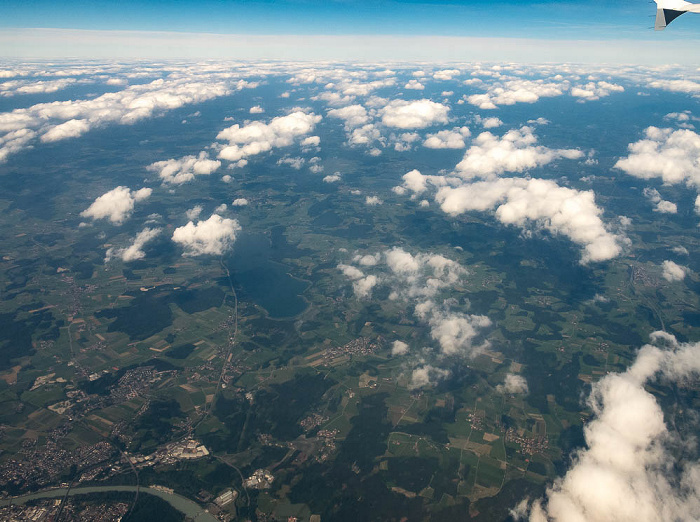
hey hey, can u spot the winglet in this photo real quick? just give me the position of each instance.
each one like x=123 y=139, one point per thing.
x=665 y=17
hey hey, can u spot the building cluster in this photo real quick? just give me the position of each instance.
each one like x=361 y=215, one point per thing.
x=226 y=498
x=189 y=449
x=328 y=446
x=529 y=445
x=476 y=420
x=312 y=421
x=260 y=479
x=356 y=347
x=73 y=511
x=42 y=465
x=641 y=276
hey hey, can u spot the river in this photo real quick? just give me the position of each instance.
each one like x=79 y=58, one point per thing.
x=184 y=505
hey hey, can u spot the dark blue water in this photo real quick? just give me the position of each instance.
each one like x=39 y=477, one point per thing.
x=258 y=278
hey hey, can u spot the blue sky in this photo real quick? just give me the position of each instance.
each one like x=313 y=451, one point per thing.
x=586 y=19
x=624 y=23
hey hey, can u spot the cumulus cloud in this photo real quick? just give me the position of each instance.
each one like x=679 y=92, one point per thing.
x=414 y=85
x=69 y=129
x=446 y=74
x=454 y=331
x=518 y=201
x=662 y=206
x=595 y=90
x=399 y=348
x=447 y=139
x=179 y=171
x=332 y=178
x=684 y=86
x=134 y=251
x=256 y=109
x=516 y=91
x=194 y=212
x=673 y=272
x=295 y=163
x=311 y=141
x=373 y=201
x=417 y=114
x=258 y=137
x=418 y=279
x=426 y=375
x=239 y=202
x=211 y=237
x=515 y=151
x=116 y=205
x=69 y=119
x=352 y=115
x=15 y=87
x=489 y=123
x=513 y=384
x=628 y=470
x=672 y=155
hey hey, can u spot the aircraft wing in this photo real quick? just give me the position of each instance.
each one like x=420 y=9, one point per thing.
x=668 y=10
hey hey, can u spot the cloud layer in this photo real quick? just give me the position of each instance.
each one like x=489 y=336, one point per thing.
x=628 y=471
x=211 y=237
x=116 y=205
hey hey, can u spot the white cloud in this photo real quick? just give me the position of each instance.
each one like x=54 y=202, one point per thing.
x=673 y=272
x=68 y=119
x=69 y=129
x=515 y=151
x=226 y=178
x=672 y=155
x=419 y=279
x=399 y=348
x=684 y=86
x=629 y=470
x=447 y=139
x=15 y=87
x=352 y=115
x=414 y=85
x=489 y=123
x=680 y=250
x=518 y=201
x=134 y=251
x=516 y=91
x=211 y=237
x=365 y=135
x=595 y=90
x=373 y=201
x=179 y=171
x=116 y=205
x=418 y=114
x=446 y=74
x=194 y=212
x=239 y=202
x=662 y=206
x=221 y=208
x=363 y=287
x=256 y=109
x=257 y=137
x=455 y=332
x=311 y=141
x=427 y=375
x=513 y=384
x=295 y=163
x=332 y=178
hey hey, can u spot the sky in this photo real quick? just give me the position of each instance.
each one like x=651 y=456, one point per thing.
x=506 y=23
